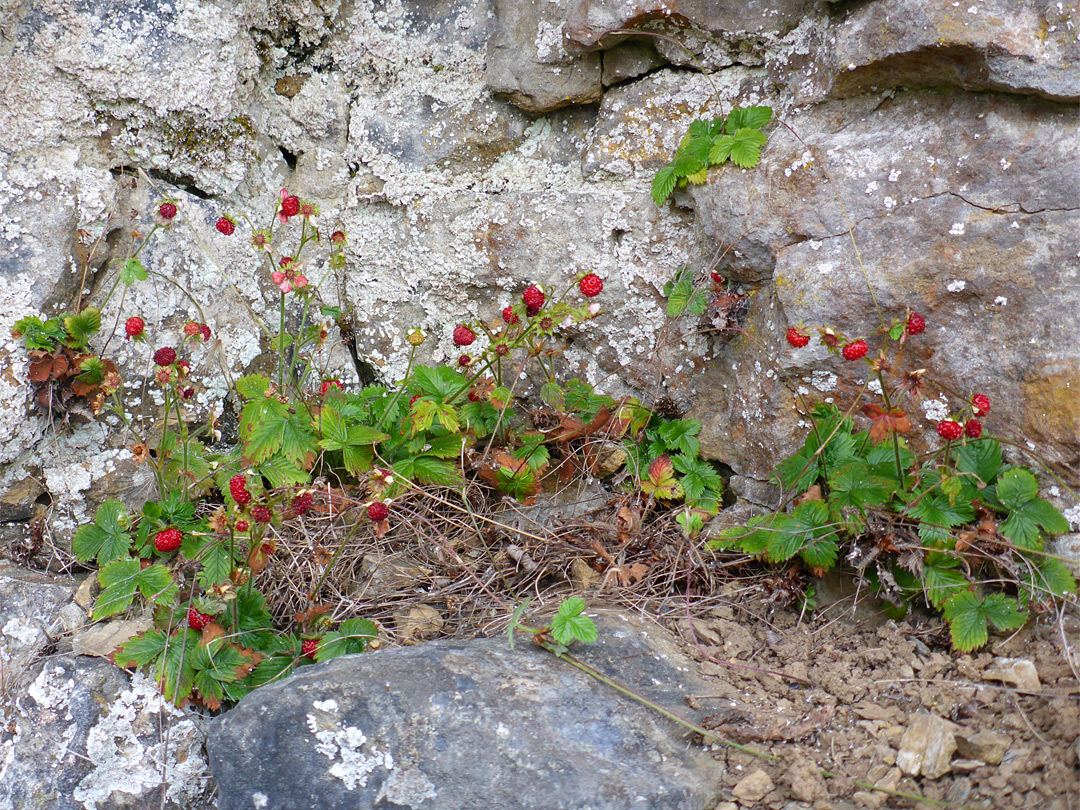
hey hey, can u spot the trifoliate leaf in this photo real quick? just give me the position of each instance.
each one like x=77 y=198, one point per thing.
x=132 y=271
x=660 y=480
x=1053 y=576
x=120 y=581
x=217 y=564
x=680 y=435
x=569 y=625
x=941 y=581
x=968 y=613
x=107 y=537
x=746 y=147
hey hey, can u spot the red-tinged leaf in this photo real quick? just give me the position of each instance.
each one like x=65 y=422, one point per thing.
x=660 y=480
x=885 y=422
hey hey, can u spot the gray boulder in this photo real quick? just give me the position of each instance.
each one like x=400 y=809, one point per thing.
x=469 y=724
x=85 y=735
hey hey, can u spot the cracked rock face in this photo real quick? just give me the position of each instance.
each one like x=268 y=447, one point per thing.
x=471 y=147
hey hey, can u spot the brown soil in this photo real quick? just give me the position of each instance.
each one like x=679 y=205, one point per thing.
x=868 y=678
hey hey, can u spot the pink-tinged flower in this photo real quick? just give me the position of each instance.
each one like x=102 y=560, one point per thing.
x=594 y=308
x=288 y=280
x=260 y=240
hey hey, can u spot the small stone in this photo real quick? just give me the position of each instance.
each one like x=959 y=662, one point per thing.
x=868 y=799
x=727 y=806
x=753 y=788
x=289 y=86
x=582 y=575
x=418 y=623
x=965 y=765
x=927 y=746
x=986 y=746
x=1019 y=672
x=84 y=595
x=806 y=781
x=871 y=711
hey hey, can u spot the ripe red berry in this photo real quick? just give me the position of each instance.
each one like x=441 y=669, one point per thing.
x=796 y=338
x=308 y=647
x=262 y=514
x=204 y=330
x=464 y=360
x=591 y=285
x=414 y=398
x=301 y=503
x=168 y=540
x=532 y=312
x=225 y=226
x=474 y=395
x=509 y=316
x=290 y=206
x=949 y=430
x=973 y=428
x=463 y=335
x=285 y=261
x=855 y=350
x=916 y=324
x=134 y=327
x=197 y=620
x=378 y=512
x=981 y=402
x=165 y=356
x=719 y=279
x=241 y=526
x=238 y=490
x=533 y=297
x=166 y=211
x=191 y=329
x=328 y=384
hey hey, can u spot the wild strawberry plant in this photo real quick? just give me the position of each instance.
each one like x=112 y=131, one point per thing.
x=959 y=527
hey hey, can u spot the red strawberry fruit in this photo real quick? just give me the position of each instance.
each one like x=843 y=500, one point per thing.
x=916 y=324
x=378 y=512
x=166 y=211
x=509 y=316
x=308 y=647
x=197 y=620
x=855 y=350
x=301 y=503
x=225 y=226
x=168 y=540
x=241 y=526
x=796 y=338
x=262 y=514
x=463 y=335
x=533 y=297
x=949 y=430
x=290 y=206
x=981 y=402
x=328 y=384
x=134 y=327
x=973 y=428
x=464 y=360
x=238 y=490
x=165 y=356
x=591 y=285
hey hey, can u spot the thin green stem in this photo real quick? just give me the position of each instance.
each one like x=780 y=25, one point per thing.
x=401 y=388
x=281 y=345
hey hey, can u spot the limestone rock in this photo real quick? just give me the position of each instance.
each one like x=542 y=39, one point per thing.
x=1016 y=46
x=85 y=735
x=1019 y=672
x=467 y=724
x=30 y=612
x=927 y=746
x=962 y=224
x=985 y=746
x=527 y=61
x=753 y=787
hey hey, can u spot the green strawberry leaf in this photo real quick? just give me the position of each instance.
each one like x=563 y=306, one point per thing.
x=132 y=271
x=741 y=117
x=663 y=184
x=569 y=625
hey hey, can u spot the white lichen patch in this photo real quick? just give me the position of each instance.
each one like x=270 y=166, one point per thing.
x=130 y=754
x=51 y=691
x=347 y=747
x=955 y=286
x=936 y=409
x=823 y=381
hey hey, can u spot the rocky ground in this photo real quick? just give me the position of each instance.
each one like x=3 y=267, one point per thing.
x=872 y=701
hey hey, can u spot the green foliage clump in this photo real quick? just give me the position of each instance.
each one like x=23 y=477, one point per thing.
x=708 y=143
